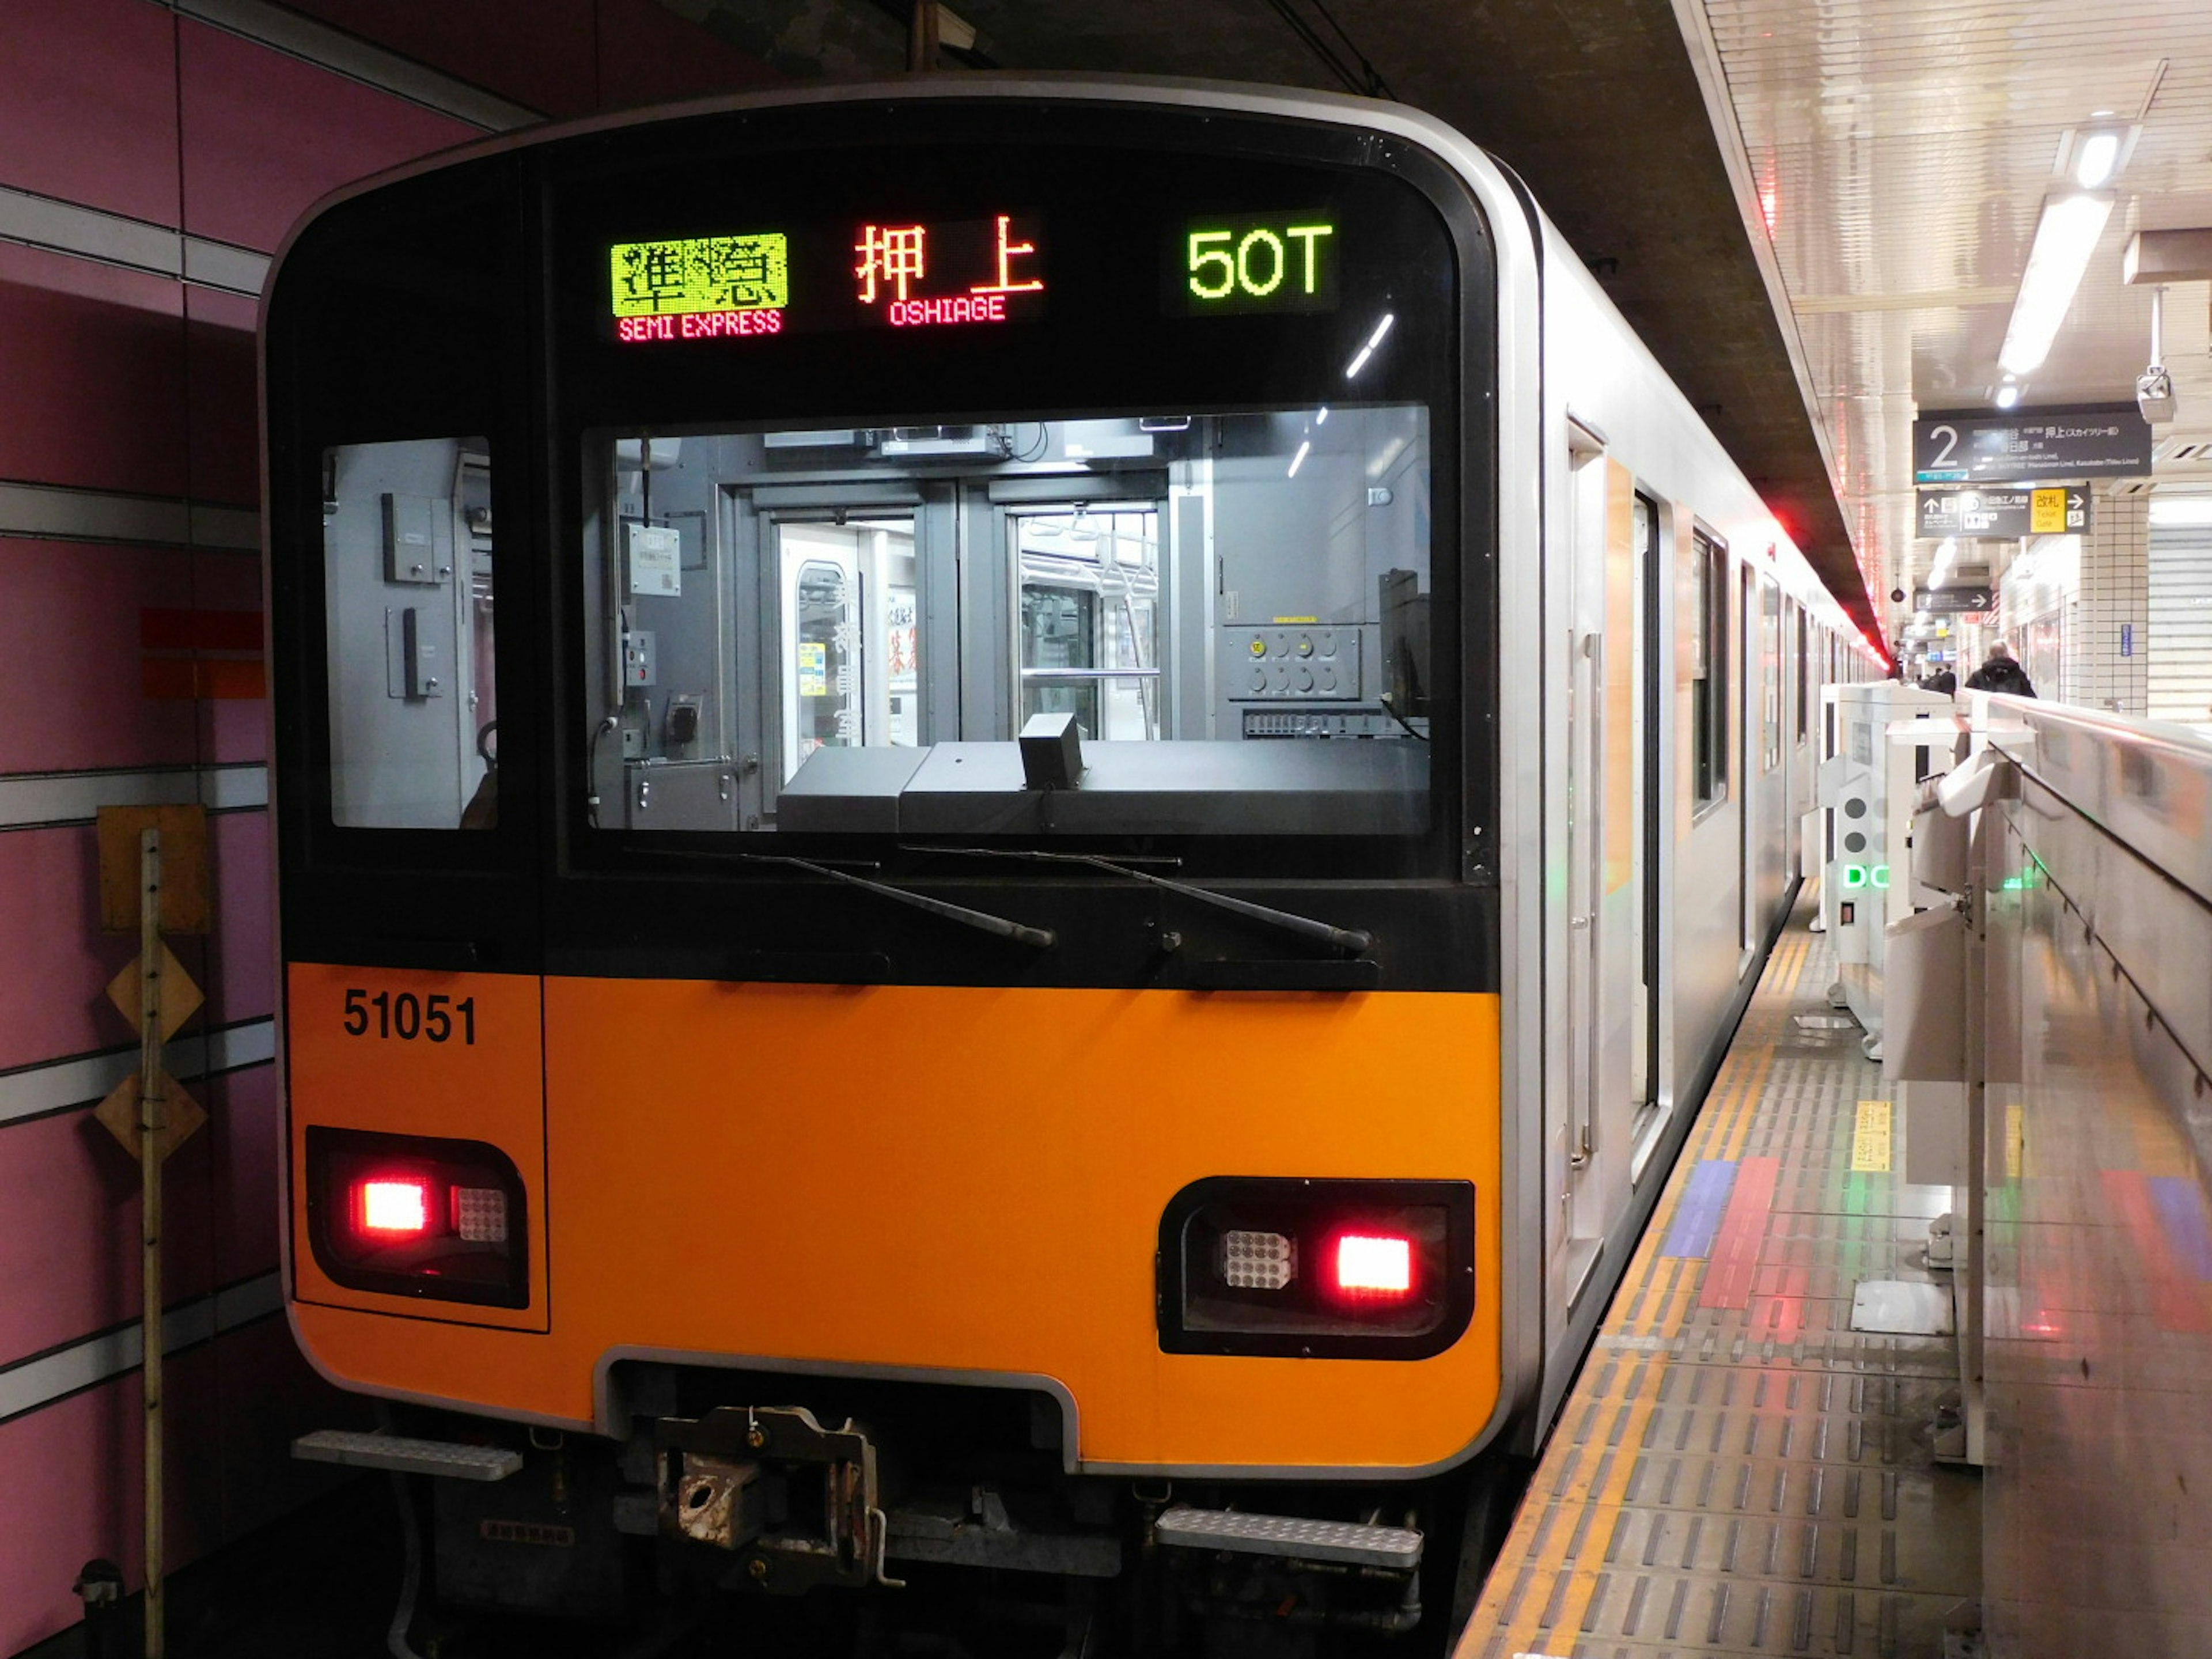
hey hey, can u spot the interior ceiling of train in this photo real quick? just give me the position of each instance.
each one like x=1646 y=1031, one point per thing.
x=1819 y=216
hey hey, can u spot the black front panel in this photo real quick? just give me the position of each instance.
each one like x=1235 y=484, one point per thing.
x=1091 y=263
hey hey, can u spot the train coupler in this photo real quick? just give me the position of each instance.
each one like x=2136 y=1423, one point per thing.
x=796 y=1503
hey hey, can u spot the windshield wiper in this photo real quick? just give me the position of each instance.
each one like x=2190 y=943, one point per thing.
x=1357 y=941
x=998 y=927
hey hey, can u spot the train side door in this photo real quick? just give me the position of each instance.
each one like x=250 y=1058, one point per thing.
x=1609 y=998
x=1571 y=1137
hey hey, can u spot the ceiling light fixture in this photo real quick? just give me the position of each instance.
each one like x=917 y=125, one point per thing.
x=2065 y=238
x=2096 y=159
x=2007 y=397
x=2180 y=512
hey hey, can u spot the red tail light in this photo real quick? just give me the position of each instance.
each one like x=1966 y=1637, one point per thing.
x=393 y=1206
x=410 y=1215
x=1371 y=1266
x=1315 y=1268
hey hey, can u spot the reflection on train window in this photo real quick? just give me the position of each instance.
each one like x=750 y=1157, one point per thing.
x=1090 y=613
x=845 y=631
x=849 y=644
x=407 y=579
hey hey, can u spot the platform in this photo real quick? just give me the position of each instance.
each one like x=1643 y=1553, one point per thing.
x=1737 y=1471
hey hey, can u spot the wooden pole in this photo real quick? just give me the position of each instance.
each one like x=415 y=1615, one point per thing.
x=921 y=36
x=151 y=1091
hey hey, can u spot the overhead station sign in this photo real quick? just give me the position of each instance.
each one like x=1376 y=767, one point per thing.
x=2003 y=515
x=2032 y=444
x=1953 y=601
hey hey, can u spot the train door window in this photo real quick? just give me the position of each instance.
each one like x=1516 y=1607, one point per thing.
x=1709 y=690
x=1089 y=619
x=1770 y=673
x=847 y=649
x=408 y=598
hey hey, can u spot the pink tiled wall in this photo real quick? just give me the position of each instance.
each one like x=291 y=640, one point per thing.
x=123 y=382
x=91 y=112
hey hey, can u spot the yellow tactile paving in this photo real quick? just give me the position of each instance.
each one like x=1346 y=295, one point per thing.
x=1751 y=1479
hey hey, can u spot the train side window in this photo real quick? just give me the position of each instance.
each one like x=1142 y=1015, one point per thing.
x=1770 y=673
x=1804 y=671
x=1709 y=669
x=408 y=596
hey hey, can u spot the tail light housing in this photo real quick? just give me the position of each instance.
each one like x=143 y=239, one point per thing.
x=409 y=1215
x=1316 y=1268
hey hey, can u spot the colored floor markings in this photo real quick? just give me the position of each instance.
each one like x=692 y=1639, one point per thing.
x=1703 y=1487
x=1698 y=1215
x=2174 y=1304
x=1870 y=1139
x=1743 y=1230
x=2179 y=1207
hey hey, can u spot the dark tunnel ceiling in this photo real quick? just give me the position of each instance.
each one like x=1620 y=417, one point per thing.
x=1594 y=102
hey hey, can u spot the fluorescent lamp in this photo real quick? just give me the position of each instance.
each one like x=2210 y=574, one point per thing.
x=2007 y=397
x=1299 y=459
x=1321 y=419
x=2096 y=159
x=2065 y=237
x=2180 y=512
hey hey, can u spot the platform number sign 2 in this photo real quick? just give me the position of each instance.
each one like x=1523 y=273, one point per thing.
x=1282 y=263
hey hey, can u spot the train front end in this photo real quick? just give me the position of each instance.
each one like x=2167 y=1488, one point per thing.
x=886 y=783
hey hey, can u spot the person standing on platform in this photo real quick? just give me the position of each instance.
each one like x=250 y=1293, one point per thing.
x=2000 y=673
x=1941 y=680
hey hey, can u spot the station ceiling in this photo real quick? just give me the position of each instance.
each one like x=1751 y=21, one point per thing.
x=1816 y=216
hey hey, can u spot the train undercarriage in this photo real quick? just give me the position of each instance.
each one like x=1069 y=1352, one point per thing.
x=913 y=1518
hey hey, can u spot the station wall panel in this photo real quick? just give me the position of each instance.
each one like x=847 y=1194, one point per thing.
x=70 y=1252
x=231 y=729
x=50 y=939
x=241 y=972
x=265 y=135
x=91 y=388
x=69 y=635
x=221 y=400
x=123 y=382
x=246 y=1127
x=60 y=1501
x=91 y=111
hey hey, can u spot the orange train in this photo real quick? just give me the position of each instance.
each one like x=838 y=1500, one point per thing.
x=1013 y=818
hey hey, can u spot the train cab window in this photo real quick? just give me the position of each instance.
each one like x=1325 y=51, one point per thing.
x=847 y=631
x=408 y=586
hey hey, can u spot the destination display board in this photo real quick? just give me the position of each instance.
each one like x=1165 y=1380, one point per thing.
x=2003 y=515
x=763 y=282
x=2027 y=445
